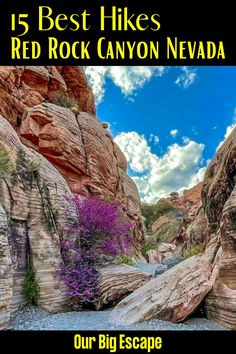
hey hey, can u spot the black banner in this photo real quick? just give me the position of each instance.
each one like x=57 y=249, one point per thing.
x=124 y=32
x=163 y=342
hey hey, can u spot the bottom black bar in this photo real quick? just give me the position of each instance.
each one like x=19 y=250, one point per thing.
x=163 y=342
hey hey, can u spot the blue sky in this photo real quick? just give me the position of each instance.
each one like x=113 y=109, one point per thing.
x=168 y=121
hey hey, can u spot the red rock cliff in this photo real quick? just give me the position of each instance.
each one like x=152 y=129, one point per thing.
x=73 y=152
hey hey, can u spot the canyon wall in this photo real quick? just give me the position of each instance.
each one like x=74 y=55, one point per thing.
x=51 y=144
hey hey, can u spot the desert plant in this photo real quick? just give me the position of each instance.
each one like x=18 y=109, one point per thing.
x=33 y=165
x=31 y=289
x=147 y=247
x=67 y=102
x=193 y=251
x=105 y=125
x=152 y=212
x=50 y=210
x=96 y=227
x=6 y=166
x=125 y=259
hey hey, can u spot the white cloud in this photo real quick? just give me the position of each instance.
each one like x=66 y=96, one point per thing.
x=127 y=78
x=131 y=78
x=185 y=139
x=174 y=132
x=187 y=77
x=229 y=130
x=153 y=139
x=179 y=168
x=136 y=150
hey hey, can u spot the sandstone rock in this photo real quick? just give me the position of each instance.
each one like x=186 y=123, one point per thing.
x=221 y=302
x=166 y=247
x=6 y=271
x=80 y=157
x=219 y=196
x=84 y=153
x=154 y=256
x=32 y=200
x=172 y=260
x=139 y=258
x=221 y=306
x=185 y=227
x=72 y=144
x=22 y=87
x=77 y=144
x=189 y=201
x=196 y=231
x=172 y=296
x=166 y=228
x=213 y=226
x=121 y=160
x=78 y=87
x=117 y=281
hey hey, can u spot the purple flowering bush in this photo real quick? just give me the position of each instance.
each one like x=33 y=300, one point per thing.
x=95 y=227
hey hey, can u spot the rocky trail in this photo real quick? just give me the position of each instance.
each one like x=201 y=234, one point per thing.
x=31 y=318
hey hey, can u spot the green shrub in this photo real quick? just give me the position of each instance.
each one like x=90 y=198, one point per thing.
x=6 y=166
x=33 y=165
x=147 y=247
x=31 y=289
x=124 y=259
x=105 y=125
x=152 y=212
x=67 y=102
x=193 y=251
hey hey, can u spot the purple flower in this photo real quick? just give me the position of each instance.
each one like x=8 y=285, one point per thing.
x=94 y=226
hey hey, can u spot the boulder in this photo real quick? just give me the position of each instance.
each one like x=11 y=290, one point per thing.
x=151 y=268
x=172 y=260
x=117 y=281
x=166 y=228
x=139 y=258
x=171 y=297
x=166 y=247
x=154 y=256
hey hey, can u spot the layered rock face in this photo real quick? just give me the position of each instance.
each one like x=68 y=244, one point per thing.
x=51 y=151
x=32 y=193
x=219 y=201
x=171 y=296
x=118 y=281
x=24 y=87
x=189 y=201
x=212 y=275
x=76 y=143
x=186 y=226
x=167 y=228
